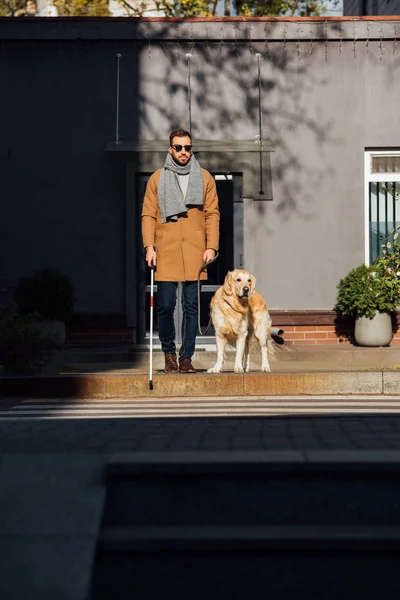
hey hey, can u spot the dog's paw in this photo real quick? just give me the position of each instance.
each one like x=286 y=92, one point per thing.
x=214 y=370
x=266 y=369
x=238 y=370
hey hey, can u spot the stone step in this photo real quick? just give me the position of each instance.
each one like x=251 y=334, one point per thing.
x=340 y=354
x=278 y=563
x=251 y=488
x=120 y=385
x=133 y=385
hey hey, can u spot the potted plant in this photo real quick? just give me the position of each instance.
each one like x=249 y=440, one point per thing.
x=371 y=294
x=24 y=349
x=49 y=295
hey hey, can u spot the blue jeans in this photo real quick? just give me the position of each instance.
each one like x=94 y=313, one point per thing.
x=166 y=301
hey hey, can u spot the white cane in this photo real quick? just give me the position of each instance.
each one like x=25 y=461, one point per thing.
x=151 y=324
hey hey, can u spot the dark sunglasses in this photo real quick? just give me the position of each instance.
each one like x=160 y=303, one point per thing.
x=178 y=148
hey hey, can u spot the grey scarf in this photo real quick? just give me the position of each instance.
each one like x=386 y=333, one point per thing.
x=170 y=196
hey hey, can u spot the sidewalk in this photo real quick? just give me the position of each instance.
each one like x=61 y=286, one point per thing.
x=52 y=473
x=120 y=372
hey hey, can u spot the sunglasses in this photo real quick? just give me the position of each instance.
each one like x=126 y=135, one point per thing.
x=178 y=147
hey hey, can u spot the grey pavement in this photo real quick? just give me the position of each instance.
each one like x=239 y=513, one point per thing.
x=52 y=486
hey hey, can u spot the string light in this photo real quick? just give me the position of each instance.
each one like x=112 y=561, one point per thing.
x=208 y=47
x=326 y=40
x=192 y=39
x=189 y=56
x=148 y=39
x=298 y=41
x=311 y=41
x=235 y=28
x=250 y=40
x=178 y=49
x=381 y=42
x=258 y=56
x=266 y=39
x=163 y=34
x=367 y=41
x=284 y=38
x=354 y=40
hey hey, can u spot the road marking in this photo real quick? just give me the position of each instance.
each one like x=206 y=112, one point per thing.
x=183 y=407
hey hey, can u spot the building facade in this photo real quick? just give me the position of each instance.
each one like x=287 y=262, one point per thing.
x=295 y=118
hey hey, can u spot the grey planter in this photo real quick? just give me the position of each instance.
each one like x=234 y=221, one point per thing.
x=54 y=328
x=374 y=332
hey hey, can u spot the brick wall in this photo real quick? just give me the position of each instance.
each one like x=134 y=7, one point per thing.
x=300 y=328
x=319 y=327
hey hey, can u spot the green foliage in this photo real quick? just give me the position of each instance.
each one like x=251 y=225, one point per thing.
x=48 y=293
x=66 y=8
x=260 y=8
x=82 y=8
x=256 y=8
x=387 y=265
x=365 y=290
x=24 y=349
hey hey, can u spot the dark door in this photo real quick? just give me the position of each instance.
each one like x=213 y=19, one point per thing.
x=229 y=189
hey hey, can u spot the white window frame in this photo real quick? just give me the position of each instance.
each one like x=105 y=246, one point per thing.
x=374 y=177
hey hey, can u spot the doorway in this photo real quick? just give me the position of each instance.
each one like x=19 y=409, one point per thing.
x=229 y=190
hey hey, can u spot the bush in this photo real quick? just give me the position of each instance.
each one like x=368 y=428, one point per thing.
x=48 y=293
x=363 y=291
x=24 y=349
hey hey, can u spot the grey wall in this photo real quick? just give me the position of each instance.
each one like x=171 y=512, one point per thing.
x=328 y=91
x=371 y=7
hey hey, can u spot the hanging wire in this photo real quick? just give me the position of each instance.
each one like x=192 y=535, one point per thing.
x=189 y=56
x=117 y=103
x=381 y=48
x=326 y=40
x=298 y=41
x=266 y=30
x=258 y=56
x=311 y=40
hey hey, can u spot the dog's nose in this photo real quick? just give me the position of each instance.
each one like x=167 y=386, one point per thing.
x=246 y=289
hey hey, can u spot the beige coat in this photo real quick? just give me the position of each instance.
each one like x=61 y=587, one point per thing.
x=180 y=244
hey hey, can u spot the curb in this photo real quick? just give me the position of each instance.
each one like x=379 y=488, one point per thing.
x=203 y=385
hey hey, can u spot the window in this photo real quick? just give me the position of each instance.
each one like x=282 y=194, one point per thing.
x=382 y=193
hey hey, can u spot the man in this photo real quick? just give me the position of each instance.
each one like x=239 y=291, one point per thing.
x=180 y=228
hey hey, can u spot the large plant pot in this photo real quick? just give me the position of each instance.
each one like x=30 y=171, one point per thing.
x=374 y=332
x=54 y=328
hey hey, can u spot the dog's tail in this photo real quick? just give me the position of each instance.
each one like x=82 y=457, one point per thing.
x=270 y=348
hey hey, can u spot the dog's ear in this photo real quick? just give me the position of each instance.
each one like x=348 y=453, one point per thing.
x=227 y=287
x=253 y=285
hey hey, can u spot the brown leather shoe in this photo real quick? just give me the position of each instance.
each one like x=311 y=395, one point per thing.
x=171 y=366
x=185 y=366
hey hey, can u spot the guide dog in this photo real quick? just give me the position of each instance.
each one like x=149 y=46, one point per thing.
x=238 y=312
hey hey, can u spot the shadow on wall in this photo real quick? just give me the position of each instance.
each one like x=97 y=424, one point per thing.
x=225 y=102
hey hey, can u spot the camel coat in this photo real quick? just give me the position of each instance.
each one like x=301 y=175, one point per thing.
x=180 y=244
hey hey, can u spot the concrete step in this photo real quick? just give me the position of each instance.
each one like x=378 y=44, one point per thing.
x=249 y=524
x=339 y=354
x=120 y=385
x=247 y=562
x=233 y=488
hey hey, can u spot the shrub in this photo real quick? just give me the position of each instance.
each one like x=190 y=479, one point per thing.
x=24 y=349
x=364 y=290
x=48 y=293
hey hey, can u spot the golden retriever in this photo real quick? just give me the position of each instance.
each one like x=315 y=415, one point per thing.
x=238 y=312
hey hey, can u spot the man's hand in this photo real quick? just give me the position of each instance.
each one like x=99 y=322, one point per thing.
x=151 y=256
x=208 y=255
